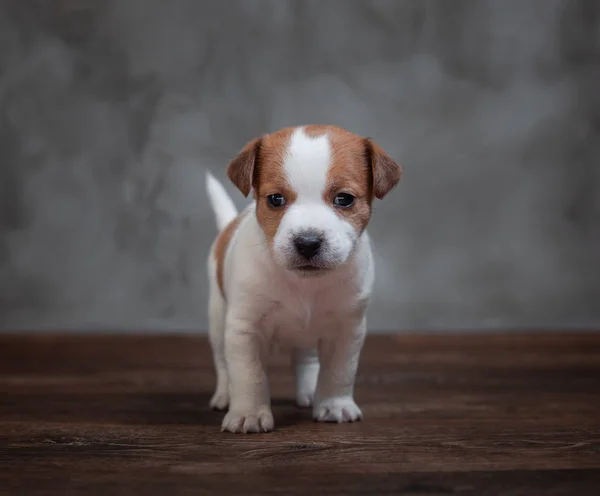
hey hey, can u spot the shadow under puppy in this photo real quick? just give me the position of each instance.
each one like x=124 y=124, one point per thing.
x=294 y=268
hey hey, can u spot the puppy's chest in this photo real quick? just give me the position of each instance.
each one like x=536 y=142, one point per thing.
x=301 y=319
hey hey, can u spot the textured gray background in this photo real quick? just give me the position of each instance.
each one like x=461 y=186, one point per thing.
x=112 y=110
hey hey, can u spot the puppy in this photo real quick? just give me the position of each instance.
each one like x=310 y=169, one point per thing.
x=294 y=268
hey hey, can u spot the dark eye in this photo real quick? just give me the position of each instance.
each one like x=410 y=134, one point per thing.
x=276 y=200
x=343 y=200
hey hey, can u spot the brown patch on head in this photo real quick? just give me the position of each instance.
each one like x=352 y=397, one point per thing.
x=269 y=179
x=221 y=245
x=259 y=166
x=349 y=172
x=358 y=167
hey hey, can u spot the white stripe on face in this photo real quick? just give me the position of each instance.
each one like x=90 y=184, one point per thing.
x=306 y=163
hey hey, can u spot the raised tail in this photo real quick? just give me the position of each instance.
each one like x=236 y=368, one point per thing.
x=222 y=204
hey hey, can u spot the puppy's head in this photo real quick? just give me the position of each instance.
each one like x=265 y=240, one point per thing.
x=314 y=186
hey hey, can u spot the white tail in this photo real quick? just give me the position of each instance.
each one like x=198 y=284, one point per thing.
x=222 y=204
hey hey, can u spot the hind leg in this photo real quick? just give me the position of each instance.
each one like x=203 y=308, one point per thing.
x=216 y=333
x=306 y=368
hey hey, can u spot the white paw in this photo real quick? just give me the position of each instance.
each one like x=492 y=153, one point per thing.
x=220 y=400
x=304 y=399
x=337 y=410
x=254 y=420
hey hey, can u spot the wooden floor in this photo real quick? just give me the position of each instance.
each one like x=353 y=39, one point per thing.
x=476 y=415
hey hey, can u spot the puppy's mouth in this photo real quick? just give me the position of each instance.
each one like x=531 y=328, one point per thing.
x=309 y=269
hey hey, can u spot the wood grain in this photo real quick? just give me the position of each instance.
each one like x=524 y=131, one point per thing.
x=512 y=414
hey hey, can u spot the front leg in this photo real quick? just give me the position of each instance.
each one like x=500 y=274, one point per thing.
x=246 y=353
x=339 y=355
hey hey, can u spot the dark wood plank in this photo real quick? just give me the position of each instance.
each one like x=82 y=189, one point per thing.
x=466 y=414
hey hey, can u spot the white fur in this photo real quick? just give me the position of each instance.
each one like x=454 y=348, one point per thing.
x=321 y=316
x=223 y=206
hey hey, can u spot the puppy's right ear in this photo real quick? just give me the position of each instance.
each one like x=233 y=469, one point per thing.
x=240 y=170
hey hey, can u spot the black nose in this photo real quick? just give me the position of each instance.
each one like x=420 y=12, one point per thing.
x=308 y=244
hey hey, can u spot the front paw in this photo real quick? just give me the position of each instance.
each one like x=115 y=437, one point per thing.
x=249 y=420
x=337 y=410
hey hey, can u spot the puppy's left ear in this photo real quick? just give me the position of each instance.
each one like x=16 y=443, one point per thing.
x=240 y=170
x=386 y=172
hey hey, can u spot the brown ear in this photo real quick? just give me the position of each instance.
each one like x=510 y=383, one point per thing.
x=386 y=172
x=240 y=170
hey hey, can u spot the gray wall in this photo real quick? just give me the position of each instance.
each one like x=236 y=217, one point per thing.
x=112 y=110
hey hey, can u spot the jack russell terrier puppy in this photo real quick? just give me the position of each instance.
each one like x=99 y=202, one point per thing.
x=294 y=268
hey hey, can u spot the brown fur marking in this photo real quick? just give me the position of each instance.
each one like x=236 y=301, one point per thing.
x=241 y=169
x=221 y=245
x=349 y=172
x=386 y=172
x=270 y=179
